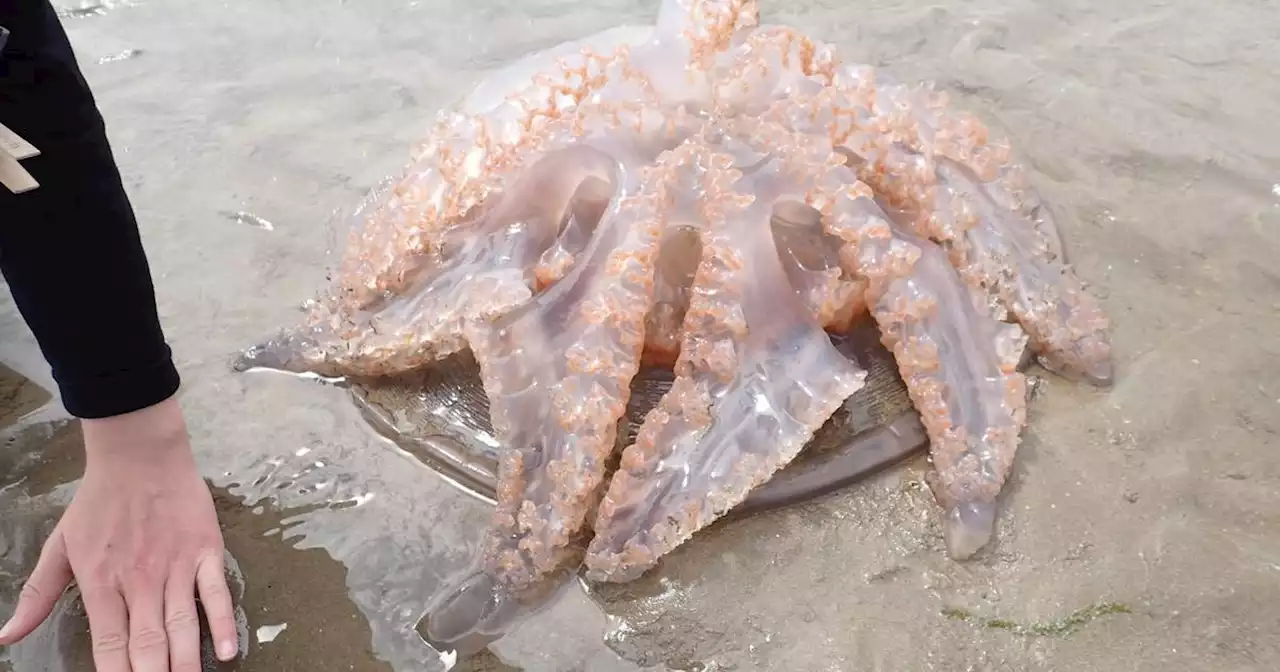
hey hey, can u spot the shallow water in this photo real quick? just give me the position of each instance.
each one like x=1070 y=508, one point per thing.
x=1151 y=129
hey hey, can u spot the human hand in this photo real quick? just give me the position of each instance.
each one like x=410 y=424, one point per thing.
x=139 y=536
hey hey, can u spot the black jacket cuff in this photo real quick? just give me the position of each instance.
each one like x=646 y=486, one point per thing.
x=124 y=392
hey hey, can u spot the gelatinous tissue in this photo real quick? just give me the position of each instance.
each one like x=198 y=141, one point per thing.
x=722 y=198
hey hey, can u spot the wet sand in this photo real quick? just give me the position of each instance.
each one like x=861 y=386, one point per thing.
x=1150 y=128
x=18 y=396
x=275 y=584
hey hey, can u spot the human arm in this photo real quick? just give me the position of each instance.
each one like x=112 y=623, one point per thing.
x=70 y=249
x=140 y=536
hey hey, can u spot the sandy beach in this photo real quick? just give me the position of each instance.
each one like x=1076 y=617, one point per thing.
x=1141 y=530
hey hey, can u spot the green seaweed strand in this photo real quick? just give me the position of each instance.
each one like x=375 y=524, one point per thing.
x=1057 y=628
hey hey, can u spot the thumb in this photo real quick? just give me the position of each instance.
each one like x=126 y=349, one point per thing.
x=51 y=576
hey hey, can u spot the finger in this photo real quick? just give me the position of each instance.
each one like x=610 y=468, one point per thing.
x=40 y=592
x=216 y=598
x=148 y=642
x=108 y=627
x=180 y=621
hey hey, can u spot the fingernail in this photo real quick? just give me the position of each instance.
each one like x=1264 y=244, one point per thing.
x=226 y=649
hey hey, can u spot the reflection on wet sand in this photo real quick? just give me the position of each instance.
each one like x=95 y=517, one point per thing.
x=305 y=591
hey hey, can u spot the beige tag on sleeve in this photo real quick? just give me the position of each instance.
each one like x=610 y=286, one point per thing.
x=14 y=144
x=12 y=150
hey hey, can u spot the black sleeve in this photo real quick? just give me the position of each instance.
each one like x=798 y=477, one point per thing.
x=70 y=249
